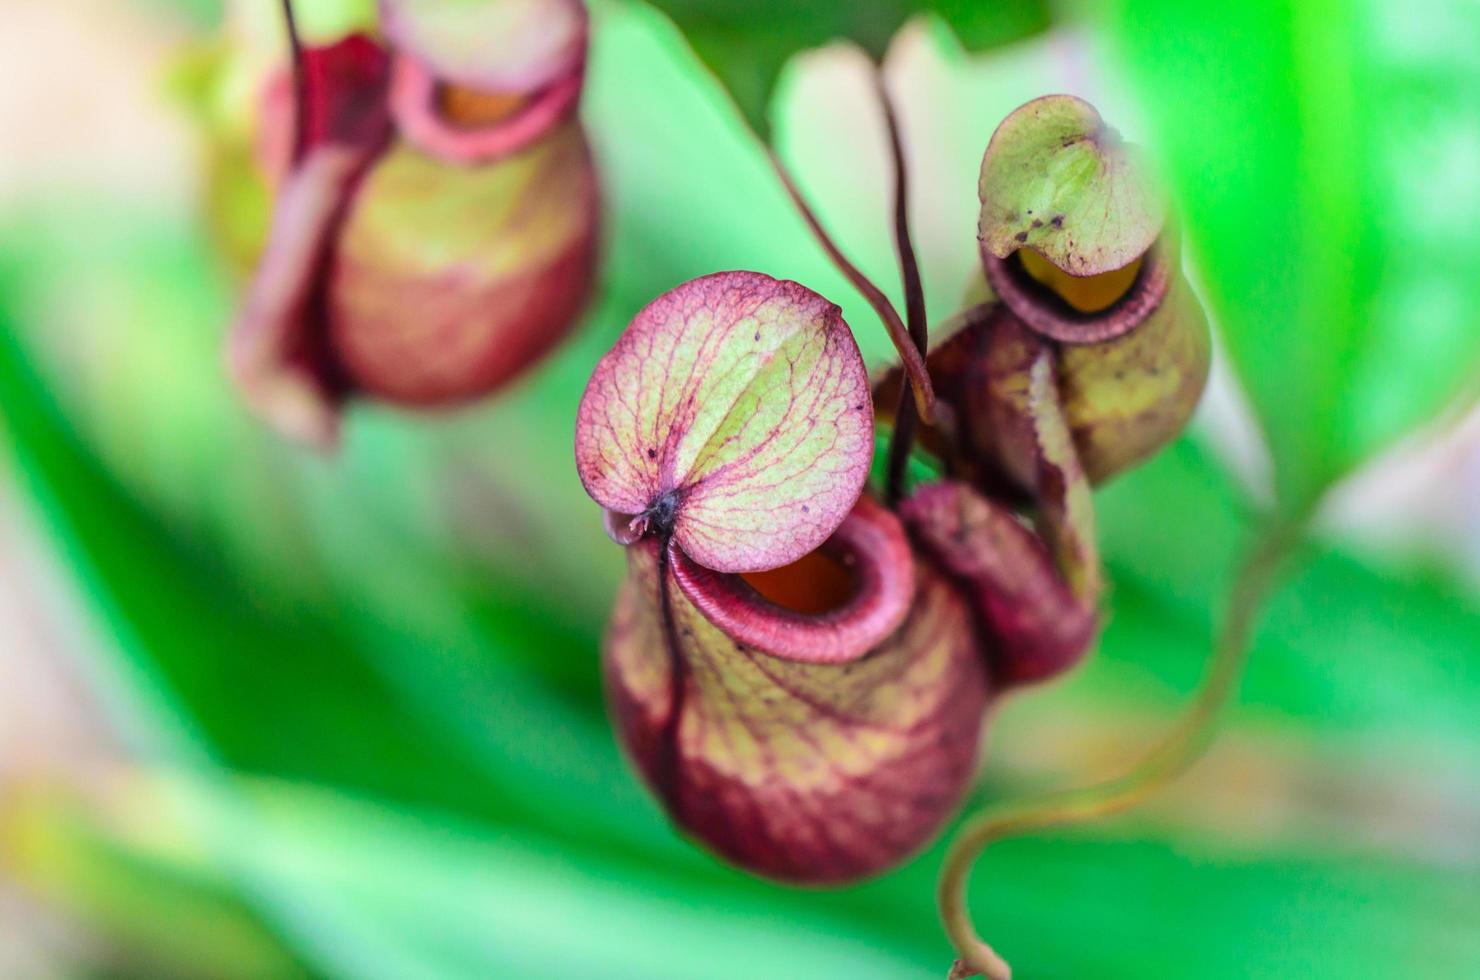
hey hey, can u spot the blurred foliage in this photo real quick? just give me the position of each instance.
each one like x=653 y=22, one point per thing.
x=374 y=743
x=121 y=865
x=1325 y=156
x=203 y=13
x=747 y=42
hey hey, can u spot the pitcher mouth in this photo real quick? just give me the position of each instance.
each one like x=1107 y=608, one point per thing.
x=419 y=105
x=818 y=583
x=462 y=107
x=1047 y=313
x=833 y=605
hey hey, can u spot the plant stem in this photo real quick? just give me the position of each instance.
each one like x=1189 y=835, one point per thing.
x=909 y=267
x=300 y=83
x=913 y=360
x=905 y=418
x=1177 y=752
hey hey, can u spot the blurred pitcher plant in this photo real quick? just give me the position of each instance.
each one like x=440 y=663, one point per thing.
x=435 y=210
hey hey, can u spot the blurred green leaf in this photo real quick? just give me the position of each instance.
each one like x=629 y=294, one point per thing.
x=398 y=893
x=201 y=643
x=375 y=909
x=747 y=42
x=1345 y=647
x=504 y=905
x=160 y=910
x=202 y=12
x=1324 y=155
x=391 y=687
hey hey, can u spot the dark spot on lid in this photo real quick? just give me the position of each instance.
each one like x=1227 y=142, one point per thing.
x=1021 y=236
x=662 y=512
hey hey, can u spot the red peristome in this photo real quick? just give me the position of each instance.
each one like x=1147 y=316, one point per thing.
x=1046 y=314
x=414 y=104
x=870 y=544
x=815 y=772
x=1035 y=628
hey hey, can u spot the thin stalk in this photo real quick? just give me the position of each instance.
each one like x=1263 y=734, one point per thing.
x=1177 y=752
x=300 y=83
x=909 y=266
x=905 y=418
x=909 y=353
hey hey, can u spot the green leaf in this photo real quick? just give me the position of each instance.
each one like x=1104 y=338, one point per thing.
x=216 y=664
x=113 y=868
x=1345 y=648
x=747 y=42
x=375 y=891
x=405 y=899
x=1323 y=156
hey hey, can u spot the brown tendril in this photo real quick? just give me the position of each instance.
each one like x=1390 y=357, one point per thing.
x=905 y=419
x=1183 y=746
x=300 y=83
x=914 y=361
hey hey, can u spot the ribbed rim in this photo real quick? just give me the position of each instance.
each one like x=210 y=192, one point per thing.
x=1046 y=313
x=413 y=99
x=870 y=542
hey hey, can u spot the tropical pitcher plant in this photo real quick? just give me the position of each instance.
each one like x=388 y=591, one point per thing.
x=801 y=662
x=807 y=649
x=435 y=214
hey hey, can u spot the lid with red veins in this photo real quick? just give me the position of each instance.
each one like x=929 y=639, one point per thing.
x=733 y=415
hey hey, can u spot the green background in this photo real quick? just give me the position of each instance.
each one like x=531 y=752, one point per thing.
x=364 y=731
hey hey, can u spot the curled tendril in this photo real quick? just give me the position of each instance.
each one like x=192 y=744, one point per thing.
x=1181 y=748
